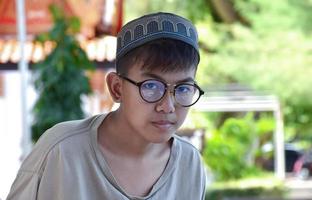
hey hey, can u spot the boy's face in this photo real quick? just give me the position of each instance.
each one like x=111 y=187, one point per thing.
x=154 y=122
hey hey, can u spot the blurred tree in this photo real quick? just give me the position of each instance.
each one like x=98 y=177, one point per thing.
x=60 y=78
x=273 y=54
x=263 y=44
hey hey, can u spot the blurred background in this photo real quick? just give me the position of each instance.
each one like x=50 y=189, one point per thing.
x=253 y=126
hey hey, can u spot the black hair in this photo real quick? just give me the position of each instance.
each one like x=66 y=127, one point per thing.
x=166 y=55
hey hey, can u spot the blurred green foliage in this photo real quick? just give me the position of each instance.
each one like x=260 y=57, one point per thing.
x=236 y=143
x=60 y=78
x=273 y=54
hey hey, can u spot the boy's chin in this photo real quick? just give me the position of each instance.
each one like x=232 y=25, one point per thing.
x=161 y=138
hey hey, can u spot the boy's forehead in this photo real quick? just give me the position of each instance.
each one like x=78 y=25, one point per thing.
x=141 y=67
x=168 y=76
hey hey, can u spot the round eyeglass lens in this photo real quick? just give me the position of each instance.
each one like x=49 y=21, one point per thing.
x=186 y=94
x=152 y=90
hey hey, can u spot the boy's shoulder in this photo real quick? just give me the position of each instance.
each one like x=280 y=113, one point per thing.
x=185 y=145
x=189 y=162
x=64 y=130
x=60 y=135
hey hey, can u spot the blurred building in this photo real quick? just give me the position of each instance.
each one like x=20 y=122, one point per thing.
x=97 y=37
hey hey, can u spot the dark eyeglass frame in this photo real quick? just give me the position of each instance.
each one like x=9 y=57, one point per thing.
x=138 y=84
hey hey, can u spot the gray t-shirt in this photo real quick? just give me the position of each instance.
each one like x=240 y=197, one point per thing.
x=67 y=164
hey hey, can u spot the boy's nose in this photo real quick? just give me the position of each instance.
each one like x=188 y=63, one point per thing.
x=166 y=104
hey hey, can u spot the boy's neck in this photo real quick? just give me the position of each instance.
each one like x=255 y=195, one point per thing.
x=114 y=137
x=135 y=164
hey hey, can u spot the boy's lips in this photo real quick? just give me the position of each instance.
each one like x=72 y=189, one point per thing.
x=163 y=124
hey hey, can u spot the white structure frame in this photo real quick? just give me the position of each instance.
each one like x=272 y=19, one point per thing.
x=246 y=102
x=23 y=68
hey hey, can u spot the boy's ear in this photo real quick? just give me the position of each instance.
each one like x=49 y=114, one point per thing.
x=114 y=85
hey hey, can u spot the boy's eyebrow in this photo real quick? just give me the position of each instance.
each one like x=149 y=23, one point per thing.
x=188 y=79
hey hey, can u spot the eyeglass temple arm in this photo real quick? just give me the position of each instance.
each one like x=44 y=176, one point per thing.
x=201 y=92
x=131 y=81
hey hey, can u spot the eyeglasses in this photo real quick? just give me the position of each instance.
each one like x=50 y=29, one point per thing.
x=152 y=90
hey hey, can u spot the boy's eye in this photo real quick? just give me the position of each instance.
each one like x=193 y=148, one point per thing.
x=184 y=89
x=150 y=85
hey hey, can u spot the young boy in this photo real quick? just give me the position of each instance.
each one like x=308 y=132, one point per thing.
x=133 y=152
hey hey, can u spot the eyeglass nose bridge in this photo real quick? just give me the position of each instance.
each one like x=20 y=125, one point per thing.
x=171 y=88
